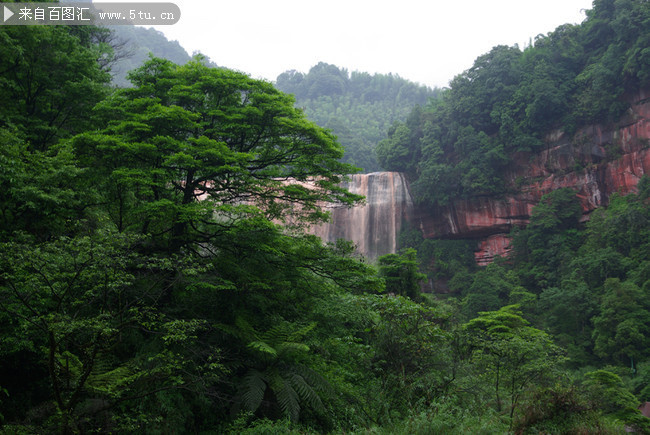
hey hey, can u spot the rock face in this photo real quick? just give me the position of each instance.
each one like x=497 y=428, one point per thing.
x=374 y=226
x=596 y=162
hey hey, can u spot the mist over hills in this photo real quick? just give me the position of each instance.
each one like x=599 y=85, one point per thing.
x=358 y=107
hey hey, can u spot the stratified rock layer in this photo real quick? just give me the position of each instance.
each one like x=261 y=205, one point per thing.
x=596 y=162
x=374 y=226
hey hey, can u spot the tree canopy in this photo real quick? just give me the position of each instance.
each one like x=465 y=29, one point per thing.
x=511 y=98
x=155 y=278
x=358 y=107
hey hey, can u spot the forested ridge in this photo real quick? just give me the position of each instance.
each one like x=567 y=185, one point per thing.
x=133 y=45
x=155 y=276
x=510 y=99
x=357 y=106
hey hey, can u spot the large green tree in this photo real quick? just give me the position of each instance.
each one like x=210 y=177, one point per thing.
x=511 y=355
x=191 y=141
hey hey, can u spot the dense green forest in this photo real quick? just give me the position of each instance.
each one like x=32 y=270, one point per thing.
x=155 y=278
x=511 y=98
x=358 y=107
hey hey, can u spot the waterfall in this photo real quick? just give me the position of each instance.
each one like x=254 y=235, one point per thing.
x=375 y=225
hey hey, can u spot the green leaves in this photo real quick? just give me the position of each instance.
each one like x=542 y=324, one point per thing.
x=510 y=354
x=400 y=271
x=510 y=100
x=277 y=366
x=358 y=107
x=621 y=327
x=193 y=132
x=51 y=82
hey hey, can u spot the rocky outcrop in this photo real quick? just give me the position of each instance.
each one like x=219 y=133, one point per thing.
x=596 y=162
x=375 y=225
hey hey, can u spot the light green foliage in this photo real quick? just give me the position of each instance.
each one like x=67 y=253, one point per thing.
x=606 y=389
x=189 y=131
x=511 y=355
x=358 y=107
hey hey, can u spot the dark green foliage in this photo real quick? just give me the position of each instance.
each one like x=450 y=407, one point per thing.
x=400 y=271
x=510 y=100
x=147 y=286
x=78 y=307
x=593 y=283
x=491 y=288
x=558 y=409
x=51 y=80
x=275 y=374
x=447 y=263
x=42 y=191
x=544 y=247
x=622 y=326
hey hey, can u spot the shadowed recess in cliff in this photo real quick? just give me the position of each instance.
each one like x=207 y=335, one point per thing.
x=373 y=226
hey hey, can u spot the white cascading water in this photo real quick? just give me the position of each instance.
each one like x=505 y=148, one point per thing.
x=374 y=226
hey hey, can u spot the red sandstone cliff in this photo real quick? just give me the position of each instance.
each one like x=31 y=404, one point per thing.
x=595 y=162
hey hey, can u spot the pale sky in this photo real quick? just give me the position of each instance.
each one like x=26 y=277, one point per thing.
x=428 y=42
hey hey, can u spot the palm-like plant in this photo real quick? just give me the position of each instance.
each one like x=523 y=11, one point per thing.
x=275 y=374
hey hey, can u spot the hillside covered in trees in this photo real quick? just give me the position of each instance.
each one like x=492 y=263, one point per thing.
x=155 y=276
x=132 y=47
x=358 y=107
x=459 y=144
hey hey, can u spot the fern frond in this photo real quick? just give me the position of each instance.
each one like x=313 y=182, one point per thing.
x=313 y=378
x=241 y=329
x=70 y=363
x=306 y=392
x=246 y=329
x=263 y=348
x=288 y=348
x=302 y=332
x=109 y=382
x=252 y=390
x=287 y=397
x=230 y=330
x=277 y=334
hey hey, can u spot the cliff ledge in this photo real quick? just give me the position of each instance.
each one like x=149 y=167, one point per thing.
x=596 y=162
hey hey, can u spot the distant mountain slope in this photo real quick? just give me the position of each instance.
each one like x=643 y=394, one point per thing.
x=358 y=107
x=137 y=43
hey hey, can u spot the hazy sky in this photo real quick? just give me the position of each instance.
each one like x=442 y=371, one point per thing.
x=424 y=41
